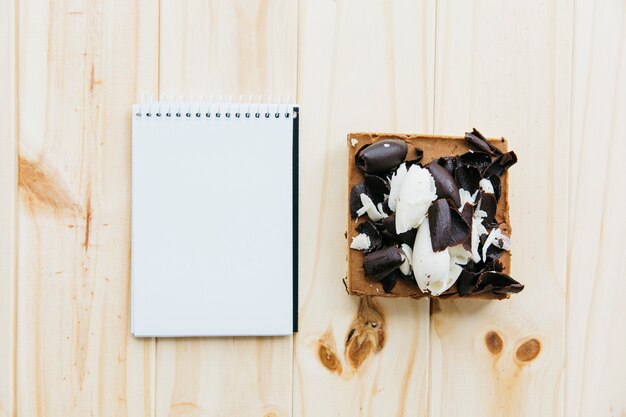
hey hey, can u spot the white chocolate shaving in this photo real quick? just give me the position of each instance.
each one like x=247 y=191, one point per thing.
x=486 y=186
x=502 y=242
x=361 y=242
x=477 y=230
x=381 y=211
x=405 y=268
x=396 y=184
x=354 y=141
x=466 y=197
x=417 y=192
x=497 y=239
x=369 y=208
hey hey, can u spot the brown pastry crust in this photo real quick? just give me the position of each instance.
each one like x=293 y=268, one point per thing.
x=434 y=147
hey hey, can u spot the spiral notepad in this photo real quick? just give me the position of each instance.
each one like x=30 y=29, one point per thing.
x=214 y=219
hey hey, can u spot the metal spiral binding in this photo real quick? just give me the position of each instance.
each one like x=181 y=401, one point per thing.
x=215 y=109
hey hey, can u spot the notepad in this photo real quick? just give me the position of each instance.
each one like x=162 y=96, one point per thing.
x=214 y=219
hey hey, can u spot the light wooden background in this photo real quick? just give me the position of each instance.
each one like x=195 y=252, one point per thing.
x=549 y=75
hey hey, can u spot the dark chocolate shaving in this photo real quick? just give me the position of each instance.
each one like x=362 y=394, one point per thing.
x=449 y=163
x=496 y=184
x=389 y=281
x=466 y=282
x=355 y=198
x=500 y=164
x=381 y=156
x=446 y=186
x=476 y=140
x=468 y=178
x=372 y=232
x=460 y=230
x=493 y=253
x=376 y=187
x=467 y=214
x=495 y=266
x=489 y=205
x=440 y=224
x=387 y=227
x=479 y=160
x=496 y=283
x=485 y=278
x=382 y=262
x=419 y=154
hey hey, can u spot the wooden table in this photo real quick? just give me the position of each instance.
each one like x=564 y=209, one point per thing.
x=548 y=75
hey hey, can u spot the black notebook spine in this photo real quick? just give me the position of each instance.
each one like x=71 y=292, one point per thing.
x=295 y=205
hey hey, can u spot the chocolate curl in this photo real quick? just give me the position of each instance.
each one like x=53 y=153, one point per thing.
x=355 y=198
x=382 y=262
x=500 y=164
x=368 y=228
x=467 y=213
x=467 y=178
x=496 y=283
x=389 y=281
x=477 y=141
x=440 y=223
x=387 y=227
x=376 y=187
x=449 y=163
x=489 y=205
x=381 y=157
x=445 y=183
x=478 y=160
x=460 y=229
x=496 y=184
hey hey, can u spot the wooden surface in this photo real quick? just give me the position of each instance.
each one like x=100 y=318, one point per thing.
x=548 y=75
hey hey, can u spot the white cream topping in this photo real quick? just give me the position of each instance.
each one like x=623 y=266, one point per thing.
x=459 y=255
x=417 y=192
x=431 y=269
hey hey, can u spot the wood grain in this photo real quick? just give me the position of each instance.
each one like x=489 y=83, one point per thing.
x=410 y=67
x=596 y=341
x=364 y=66
x=238 y=48
x=8 y=198
x=507 y=358
x=80 y=67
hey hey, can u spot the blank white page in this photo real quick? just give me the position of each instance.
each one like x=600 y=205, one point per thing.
x=212 y=220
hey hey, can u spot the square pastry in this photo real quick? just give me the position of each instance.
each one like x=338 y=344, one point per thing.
x=429 y=216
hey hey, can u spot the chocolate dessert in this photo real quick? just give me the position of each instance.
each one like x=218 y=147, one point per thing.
x=428 y=216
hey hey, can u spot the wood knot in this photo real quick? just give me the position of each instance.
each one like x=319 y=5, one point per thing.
x=367 y=333
x=528 y=350
x=326 y=350
x=44 y=187
x=494 y=342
